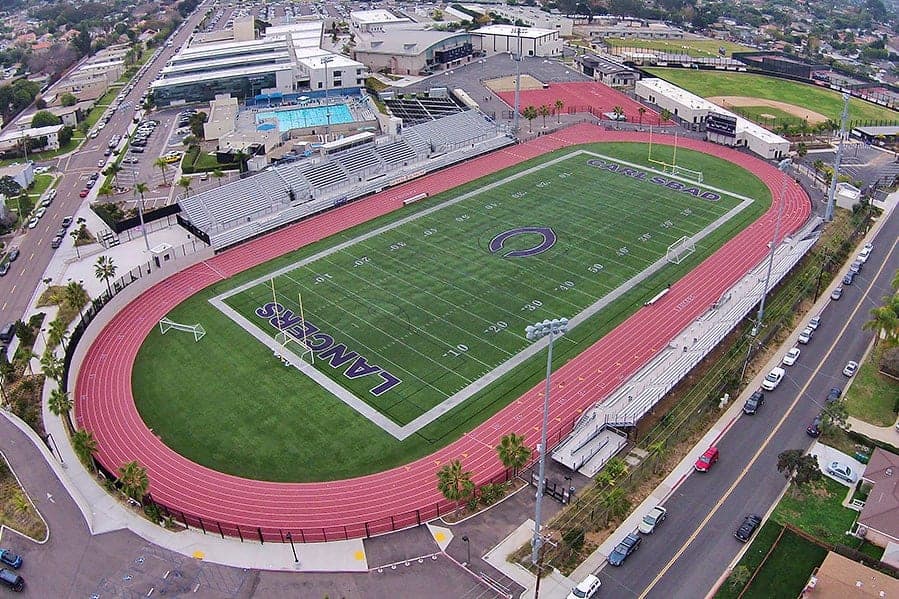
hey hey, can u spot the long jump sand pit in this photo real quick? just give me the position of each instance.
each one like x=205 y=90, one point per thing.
x=809 y=115
x=507 y=84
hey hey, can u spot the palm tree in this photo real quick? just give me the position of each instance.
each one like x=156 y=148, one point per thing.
x=58 y=333
x=134 y=481
x=75 y=296
x=217 y=174
x=104 y=269
x=640 y=112
x=85 y=445
x=163 y=166
x=530 y=113
x=455 y=483
x=616 y=503
x=241 y=157
x=659 y=451
x=664 y=115
x=51 y=366
x=512 y=451
x=113 y=170
x=885 y=322
x=185 y=182
x=618 y=111
x=60 y=404
x=559 y=105
x=544 y=111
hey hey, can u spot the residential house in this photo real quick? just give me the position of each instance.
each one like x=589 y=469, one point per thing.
x=839 y=577
x=879 y=521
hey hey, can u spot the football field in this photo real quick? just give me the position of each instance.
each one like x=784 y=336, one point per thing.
x=409 y=318
x=417 y=318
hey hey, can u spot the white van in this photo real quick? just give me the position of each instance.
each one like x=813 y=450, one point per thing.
x=772 y=380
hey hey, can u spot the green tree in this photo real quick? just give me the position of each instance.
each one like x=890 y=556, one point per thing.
x=25 y=333
x=640 y=112
x=44 y=118
x=104 y=270
x=9 y=187
x=51 y=365
x=217 y=174
x=616 y=503
x=559 y=104
x=134 y=480
x=185 y=183
x=512 y=452
x=85 y=445
x=196 y=124
x=664 y=115
x=834 y=417
x=455 y=483
x=65 y=135
x=544 y=111
x=60 y=405
x=68 y=99
x=57 y=333
x=163 y=166
x=618 y=111
x=885 y=322
x=75 y=296
x=113 y=171
x=19 y=501
x=658 y=451
x=798 y=467
x=82 y=41
x=530 y=113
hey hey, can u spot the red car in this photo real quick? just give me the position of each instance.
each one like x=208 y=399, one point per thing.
x=84 y=193
x=706 y=460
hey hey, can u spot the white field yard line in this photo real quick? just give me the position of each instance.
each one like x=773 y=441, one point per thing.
x=402 y=432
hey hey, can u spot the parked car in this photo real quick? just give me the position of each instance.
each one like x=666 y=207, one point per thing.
x=850 y=368
x=865 y=253
x=83 y=193
x=706 y=460
x=755 y=401
x=136 y=150
x=586 y=588
x=67 y=221
x=13 y=253
x=651 y=520
x=836 y=293
x=32 y=223
x=841 y=471
x=10 y=579
x=791 y=356
x=814 y=429
x=834 y=394
x=747 y=527
x=627 y=546
x=101 y=163
x=10 y=559
x=56 y=242
x=4 y=269
x=848 y=278
x=773 y=379
x=814 y=322
x=806 y=335
x=856 y=266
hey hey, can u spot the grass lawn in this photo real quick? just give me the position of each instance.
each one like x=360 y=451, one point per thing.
x=820 y=99
x=817 y=511
x=251 y=416
x=873 y=397
x=766 y=115
x=694 y=48
x=41 y=184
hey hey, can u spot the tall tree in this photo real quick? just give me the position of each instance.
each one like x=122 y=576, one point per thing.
x=51 y=365
x=58 y=333
x=75 y=296
x=640 y=112
x=530 y=113
x=455 y=483
x=105 y=269
x=512 y=452
x=134 y=480
x=798 y=467
x=616 y=503
x=185 y=183
x=544 y=111
x=163 y=166
x=85 y=445
x=559 y=104
x=60 y=404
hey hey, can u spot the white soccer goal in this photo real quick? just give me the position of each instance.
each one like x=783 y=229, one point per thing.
x=165 y=325
x=686 y=173
x=289 y=343
x=672 y=168
x=681 y=248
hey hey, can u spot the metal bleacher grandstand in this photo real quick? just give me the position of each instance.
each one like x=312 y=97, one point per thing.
x=421 y=110
x=289 y=192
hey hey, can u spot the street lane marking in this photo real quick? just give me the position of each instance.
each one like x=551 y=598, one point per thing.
x=770 y=436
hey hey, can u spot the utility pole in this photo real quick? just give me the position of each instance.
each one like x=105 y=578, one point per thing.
x=831 y=195
x=517 y=108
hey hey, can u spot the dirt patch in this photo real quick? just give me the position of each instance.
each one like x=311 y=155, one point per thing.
x=810 y=115
x=507 y=84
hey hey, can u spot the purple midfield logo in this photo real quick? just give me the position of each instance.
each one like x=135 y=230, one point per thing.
x=696 y=192
x=337 y=355
x=549 y=240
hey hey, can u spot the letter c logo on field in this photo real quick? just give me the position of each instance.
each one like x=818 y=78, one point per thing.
x=549 y=239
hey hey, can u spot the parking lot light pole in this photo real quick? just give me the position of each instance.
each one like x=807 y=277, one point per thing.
x=517 y=106
x=468 y=548
x=534 y=332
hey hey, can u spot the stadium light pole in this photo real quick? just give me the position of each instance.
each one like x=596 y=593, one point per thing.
x=552 y=329
x=517 y=107
x=784 y=167
x=325 y=61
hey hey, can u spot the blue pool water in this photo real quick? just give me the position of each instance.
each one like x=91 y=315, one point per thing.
x=313 y=116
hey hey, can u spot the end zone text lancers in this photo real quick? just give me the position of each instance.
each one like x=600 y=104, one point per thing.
x=696 y=192
x=323 y=346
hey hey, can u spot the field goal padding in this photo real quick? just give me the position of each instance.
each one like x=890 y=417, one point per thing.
x=680 y=249
x=197 y=329
x=672 y=168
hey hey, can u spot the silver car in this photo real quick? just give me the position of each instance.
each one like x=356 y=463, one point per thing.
x=651 y=520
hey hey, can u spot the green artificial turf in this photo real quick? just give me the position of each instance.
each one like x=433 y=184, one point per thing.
x=227 y=403
x=819 y=99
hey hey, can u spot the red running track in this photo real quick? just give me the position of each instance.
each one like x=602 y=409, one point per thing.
x=401 y=496
x=578 y=96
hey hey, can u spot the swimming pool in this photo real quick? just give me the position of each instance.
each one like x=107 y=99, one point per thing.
x=312 y=116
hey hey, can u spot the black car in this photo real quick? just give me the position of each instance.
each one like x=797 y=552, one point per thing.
x=848 y=278
x=834 y=394
x=137 y=150
x=4 y=268
x=10 y=579
x=750 y=523
x=628 y=545
x=13 y=254
x=755 y=401
x=814 y=429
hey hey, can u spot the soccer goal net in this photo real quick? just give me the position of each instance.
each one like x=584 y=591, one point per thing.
x=680 y=249
x=291 y=344
x=165 y=325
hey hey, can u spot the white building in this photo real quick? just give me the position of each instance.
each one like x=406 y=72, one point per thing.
x=531 y=41
x=529 y=16
x=374 y=20
x=691 y=109
x=13 y=139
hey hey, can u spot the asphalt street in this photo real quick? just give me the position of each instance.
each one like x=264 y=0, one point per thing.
x=686 y=556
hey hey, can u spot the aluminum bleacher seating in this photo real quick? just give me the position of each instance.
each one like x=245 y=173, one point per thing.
x=325 y=174
x=359 y=159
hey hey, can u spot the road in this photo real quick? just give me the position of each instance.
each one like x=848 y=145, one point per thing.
x=694 y=546
x=17 y=287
